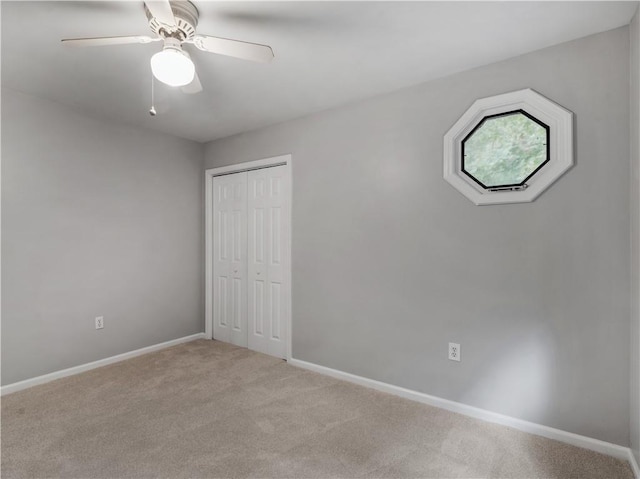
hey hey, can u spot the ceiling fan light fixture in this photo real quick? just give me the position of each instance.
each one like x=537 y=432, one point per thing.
x=172 y=66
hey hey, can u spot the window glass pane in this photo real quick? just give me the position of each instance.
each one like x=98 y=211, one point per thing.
x=505 y=150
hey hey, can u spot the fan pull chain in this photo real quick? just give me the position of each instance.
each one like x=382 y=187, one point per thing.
x=152 y=111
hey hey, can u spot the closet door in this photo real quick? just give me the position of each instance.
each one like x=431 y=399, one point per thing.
x=230 y=258
x=268 y=213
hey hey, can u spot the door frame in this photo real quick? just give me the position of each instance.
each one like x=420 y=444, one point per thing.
x=209 y=174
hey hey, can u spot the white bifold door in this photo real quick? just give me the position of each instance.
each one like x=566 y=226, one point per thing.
x=251 y=287
x=230 y=258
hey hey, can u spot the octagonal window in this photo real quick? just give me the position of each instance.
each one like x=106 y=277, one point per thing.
x=508 y=148
x=505 y=150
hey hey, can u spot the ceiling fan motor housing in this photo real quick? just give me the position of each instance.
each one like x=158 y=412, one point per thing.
x=186 y=15
x=172 y=44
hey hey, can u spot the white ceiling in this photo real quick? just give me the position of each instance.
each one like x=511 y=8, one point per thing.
x=327 y=54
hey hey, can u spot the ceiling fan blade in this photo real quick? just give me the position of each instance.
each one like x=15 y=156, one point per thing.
x=101 y=41
x=194 y=87
x=233 y=48
x=161 y=9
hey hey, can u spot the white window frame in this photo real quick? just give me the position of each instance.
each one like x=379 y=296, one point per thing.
x=560 y=122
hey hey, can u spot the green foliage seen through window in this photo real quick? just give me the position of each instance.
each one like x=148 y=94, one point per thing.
x=505 y=150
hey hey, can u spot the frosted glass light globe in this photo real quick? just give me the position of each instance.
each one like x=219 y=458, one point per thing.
x=173 y=67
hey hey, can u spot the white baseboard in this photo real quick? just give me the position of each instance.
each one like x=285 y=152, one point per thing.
x=634 y=464
x=585 y=442
x=27 y=383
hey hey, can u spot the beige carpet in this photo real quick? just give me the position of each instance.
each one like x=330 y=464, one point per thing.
x=209 y=409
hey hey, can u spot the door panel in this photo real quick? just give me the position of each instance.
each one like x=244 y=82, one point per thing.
x=230 y=258
x=258 y=308
x=268 y=233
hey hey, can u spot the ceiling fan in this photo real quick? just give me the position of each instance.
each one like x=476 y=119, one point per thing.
x=174 y=22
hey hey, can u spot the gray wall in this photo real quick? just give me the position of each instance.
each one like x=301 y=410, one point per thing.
x=390 y=263
x=635 y=234
x=97 y=219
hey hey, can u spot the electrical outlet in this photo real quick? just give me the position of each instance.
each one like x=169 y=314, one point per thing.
x=100 y=322
x=454 y=352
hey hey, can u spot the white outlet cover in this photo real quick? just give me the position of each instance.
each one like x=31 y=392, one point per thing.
x=454 y=351
x=99 y=322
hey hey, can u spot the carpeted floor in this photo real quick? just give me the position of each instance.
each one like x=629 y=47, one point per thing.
x=209 y=409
